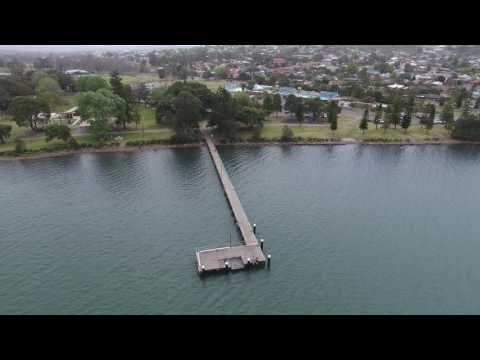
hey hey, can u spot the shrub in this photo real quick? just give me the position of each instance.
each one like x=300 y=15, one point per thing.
x=20 y=146
x=287 y=134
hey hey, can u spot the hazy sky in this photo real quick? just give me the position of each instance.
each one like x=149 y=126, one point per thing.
x=63 y=48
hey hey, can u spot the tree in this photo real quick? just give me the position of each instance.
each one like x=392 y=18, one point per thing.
x=428 y=123
x=186 y=118
x=466 y=108
x=467 y=129
x=4 y=99
x=461 y=94
x=333 y=123
x=250 y=116
x=277 y=103
x=299 y=110
x=378 y=115
x=406 y=121
x=287 y=134
x=290 y=103
x=447 y=115
x=5 y=132
x=141 y=93
x=222 y=116
x=99 y=107
x=364 y=122
x=116 y=83
x=20 y=146
x=200 y=91
x=221 y=72
x=57 y=131
x=268 y=104
x=49 y=91
x=91 y=83
x=161 y=73
x=25 y=111
x=126 y=93
x=395 y=111
x=314 y=106
x=332 y=112
x=386 y=119
x=164 y=109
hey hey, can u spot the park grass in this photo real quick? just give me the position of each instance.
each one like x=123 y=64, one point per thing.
x=40 y=143
x=153 y=77
x=147 y=118
x=348 y=129
x=17 y=131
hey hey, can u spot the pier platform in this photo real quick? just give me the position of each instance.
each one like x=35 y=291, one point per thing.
x=238 y=257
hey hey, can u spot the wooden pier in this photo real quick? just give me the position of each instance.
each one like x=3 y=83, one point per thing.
x=230 y=258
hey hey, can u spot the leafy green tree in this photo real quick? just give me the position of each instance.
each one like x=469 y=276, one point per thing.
x=187 y=116
x=467 y=129
x=242 y=99
x=395 y=111
x=460 y=96
x=200 y=91
x=126 y=93
x=141 y=93
x=116 y=83
x=49 y=91
x=164 y=110
x=447 y=115
x=20 y=146
x=299 y=110
x=315 y=106
x=277 y=103
x=223 y=113
x=290 y=103
x=25 y=111
x=387 y=119
x=221 y=72
x=15 y=87
x=5 y=132
x=364 y=122
x=428 y=123
x=250 y=116
x=57 y=131
x=406 y=121
x=99 y=108
x=466 y=108
x=268 y=105
x=4 y=99
x=91 y=83
x=287 y=134
x=332 y=113
x=378 y=116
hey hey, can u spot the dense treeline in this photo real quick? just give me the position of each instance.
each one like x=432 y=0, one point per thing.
x=183 y=105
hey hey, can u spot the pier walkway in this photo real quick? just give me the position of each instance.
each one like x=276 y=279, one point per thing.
x=238 y=257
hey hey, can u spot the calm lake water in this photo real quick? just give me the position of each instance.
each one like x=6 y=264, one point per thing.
x=351 y=229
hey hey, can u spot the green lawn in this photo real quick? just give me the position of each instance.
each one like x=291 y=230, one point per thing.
x=147 y=118
x=16 y=130
x=36 y=144
x=349 y=129
x=152 y=77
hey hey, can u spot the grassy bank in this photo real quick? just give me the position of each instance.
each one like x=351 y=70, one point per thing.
x=349 y=130
x=40 y=145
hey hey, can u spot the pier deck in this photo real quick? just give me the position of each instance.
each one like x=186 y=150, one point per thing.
x=237 y=257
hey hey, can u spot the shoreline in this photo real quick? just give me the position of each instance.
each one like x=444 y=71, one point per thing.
x=47 y=155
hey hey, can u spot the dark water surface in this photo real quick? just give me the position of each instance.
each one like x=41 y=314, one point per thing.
x=351 y=229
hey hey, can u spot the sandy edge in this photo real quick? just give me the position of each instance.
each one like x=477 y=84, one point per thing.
x=47 y=155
